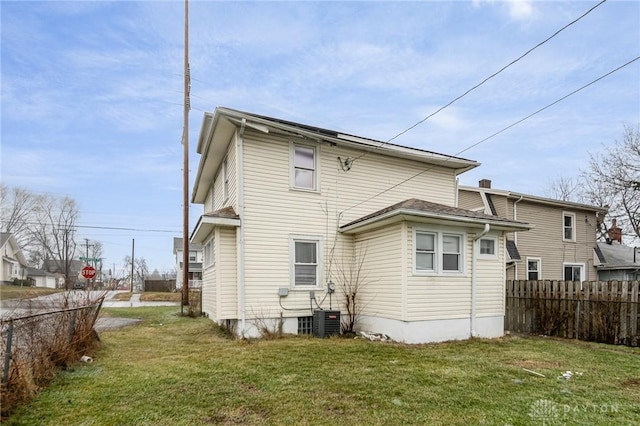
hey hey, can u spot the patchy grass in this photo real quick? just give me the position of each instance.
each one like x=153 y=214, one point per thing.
x=18 y=292
x=122 y=296
x=158 y=296
x=183 y=371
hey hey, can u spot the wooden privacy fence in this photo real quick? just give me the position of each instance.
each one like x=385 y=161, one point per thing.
x=599 y=311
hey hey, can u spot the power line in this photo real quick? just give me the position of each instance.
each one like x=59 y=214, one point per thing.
x=481 y=83
x=496 y=133
x=113 y=228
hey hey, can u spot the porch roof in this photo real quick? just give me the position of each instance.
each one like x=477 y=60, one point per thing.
x=416 y=210
x=226 y=217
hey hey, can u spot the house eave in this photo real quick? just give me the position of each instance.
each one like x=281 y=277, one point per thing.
x=431 y=218
x=206 y=225
x=218 y=128
x=536 y=199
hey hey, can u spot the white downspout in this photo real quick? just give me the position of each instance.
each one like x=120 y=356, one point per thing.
x=515 y=234
x=474 y=289
x=240 y=243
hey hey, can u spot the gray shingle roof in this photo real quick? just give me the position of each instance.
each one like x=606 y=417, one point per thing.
x=429 y=207
x=512 y=249
x=618 y=256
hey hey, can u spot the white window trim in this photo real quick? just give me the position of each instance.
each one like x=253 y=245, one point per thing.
x=415 y=251
x=209 y=261
x=537 y=259
x=573 y=227
x=485 y=256
x=292 y=261
x=583 y=269
x=292 y=166
x=225 y=179
x=439 y=243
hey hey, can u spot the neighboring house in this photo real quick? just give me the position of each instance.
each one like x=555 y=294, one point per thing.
x=195 y=263
x=290 y=209
x=562 y=244
x=42 y=278
x=58 y=268
x=618 y=262
x=14 y=264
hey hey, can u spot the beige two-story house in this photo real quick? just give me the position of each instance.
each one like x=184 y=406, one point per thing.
x=292 y=212
x=561 y=245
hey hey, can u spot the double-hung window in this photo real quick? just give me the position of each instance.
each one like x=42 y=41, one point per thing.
x=568 y=226
x=306 y=262
x=451 y=246
x=209 y=253
x=573 y=271
x=304 y=167
x=425 y=251
x=437 y=252
x=533 y=269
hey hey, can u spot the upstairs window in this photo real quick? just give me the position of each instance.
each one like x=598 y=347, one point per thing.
x=225 y=177
x=304 y=167
x=568 y=227
x=533 y=269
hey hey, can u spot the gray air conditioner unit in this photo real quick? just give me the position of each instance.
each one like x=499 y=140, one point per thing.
x=326 y=323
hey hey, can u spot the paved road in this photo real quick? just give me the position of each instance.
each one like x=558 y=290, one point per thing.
x=10 y=308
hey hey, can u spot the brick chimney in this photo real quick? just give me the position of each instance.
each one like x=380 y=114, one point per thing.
x=485 y=183
x=615 y=233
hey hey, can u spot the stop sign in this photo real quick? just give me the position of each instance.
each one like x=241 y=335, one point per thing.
x=88 y=272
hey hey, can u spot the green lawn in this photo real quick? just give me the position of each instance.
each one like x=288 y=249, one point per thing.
x=173 y=370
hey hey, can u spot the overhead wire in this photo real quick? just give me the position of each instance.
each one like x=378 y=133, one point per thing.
x=479 y=84
x=497 y=133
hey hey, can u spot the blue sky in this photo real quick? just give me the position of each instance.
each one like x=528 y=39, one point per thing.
x=92 y=91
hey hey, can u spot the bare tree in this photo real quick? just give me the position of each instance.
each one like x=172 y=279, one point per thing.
x=565 y=188
x=140 y=269
x=17 y=206
x=613 y=179
x=351 y=280
x=53 y=233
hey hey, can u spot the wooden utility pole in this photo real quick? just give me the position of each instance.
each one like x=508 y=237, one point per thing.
x=133 y=262
x=185 y=165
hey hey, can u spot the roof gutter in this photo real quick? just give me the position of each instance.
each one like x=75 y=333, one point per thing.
x=474 y=286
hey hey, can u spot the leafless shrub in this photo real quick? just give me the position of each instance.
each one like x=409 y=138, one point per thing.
x=42 y=337
x=351 y=279
x=267 y=326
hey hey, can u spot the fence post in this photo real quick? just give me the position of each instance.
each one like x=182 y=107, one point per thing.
x=7 y=354
x=72 y=326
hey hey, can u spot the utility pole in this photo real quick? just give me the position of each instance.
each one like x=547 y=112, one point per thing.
x=133 y=262
x=185 y=166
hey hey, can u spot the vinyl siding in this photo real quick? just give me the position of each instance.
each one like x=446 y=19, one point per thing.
x=226 y=274
x=209 y=283
x=470 y=200
x=273 y=212
x=490 y=281
x=545 y=241
x=437 y=296
x=219 y=200
x=382 y=290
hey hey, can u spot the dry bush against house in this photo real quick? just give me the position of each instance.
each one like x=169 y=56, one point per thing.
x=40 y=339
x=351 y=280
x=267 y=326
